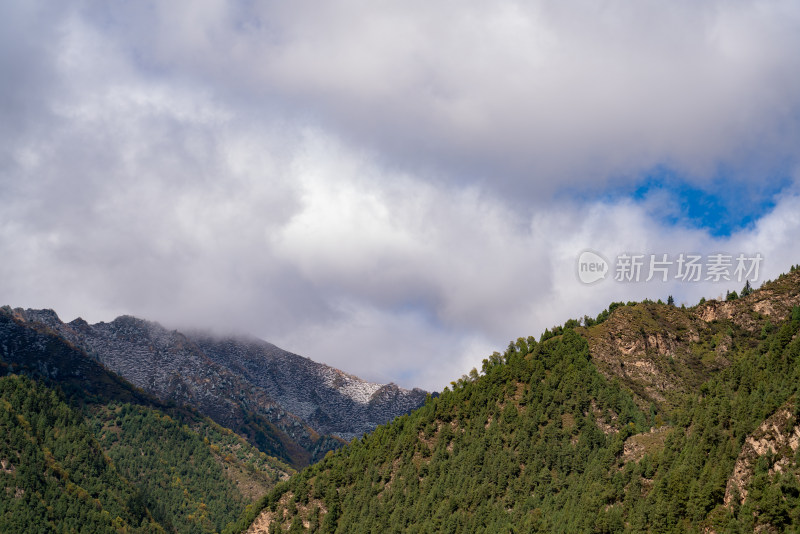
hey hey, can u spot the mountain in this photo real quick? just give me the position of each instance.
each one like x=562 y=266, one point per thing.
x=54 y=472
x=649 y=418
x=329 y=400
x=82 y=449
x=287 y=405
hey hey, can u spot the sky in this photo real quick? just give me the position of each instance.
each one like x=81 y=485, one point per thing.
x=397 y=189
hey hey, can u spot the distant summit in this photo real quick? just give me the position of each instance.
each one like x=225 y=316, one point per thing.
x=287 y=405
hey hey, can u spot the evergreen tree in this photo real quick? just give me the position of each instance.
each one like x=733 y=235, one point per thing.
x=540 y=440
x=747 y=289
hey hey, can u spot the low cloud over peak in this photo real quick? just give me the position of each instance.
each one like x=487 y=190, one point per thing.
x=394 y=190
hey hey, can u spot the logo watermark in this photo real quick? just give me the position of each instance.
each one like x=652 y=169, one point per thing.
x=629 y=267
x=592 y=267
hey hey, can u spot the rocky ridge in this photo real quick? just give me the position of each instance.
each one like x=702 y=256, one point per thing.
x=661 y=353
x=777 y=438
x=286 y=404
x=679 y=419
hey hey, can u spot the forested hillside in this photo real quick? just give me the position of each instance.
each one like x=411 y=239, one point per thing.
x=193 y=477
x=84 y=449
x=113 y=466
x=288 y=406
x=54 y=475
x=649 y=418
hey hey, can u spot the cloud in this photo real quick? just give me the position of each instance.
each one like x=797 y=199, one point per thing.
x=394 y=190
x=508 y=94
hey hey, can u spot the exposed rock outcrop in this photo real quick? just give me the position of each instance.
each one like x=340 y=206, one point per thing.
x=779 y=436
x=286 y=404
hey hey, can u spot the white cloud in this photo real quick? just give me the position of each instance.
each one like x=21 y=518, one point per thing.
x=374 y=186
x=517 y=93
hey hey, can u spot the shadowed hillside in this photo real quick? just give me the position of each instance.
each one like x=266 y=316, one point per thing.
x=286 y=405
x=106 y=456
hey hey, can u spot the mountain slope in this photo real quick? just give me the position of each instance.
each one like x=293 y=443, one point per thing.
x=285 y=404
x=81 y=469
x=54 y=472
x=657 y=419
x=331 y=401
x=193 y=477
x=176 y=469
x=663 y=352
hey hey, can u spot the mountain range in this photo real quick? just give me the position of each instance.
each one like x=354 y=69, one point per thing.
x=288 y=406
x=647 y=418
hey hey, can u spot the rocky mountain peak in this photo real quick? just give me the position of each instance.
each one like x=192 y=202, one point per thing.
x=289 y=405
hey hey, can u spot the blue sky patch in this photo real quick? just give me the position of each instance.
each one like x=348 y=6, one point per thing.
x=721 y=205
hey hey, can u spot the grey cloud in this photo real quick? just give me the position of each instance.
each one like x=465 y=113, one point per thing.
x=372 y=187
x=29 y=32
x=508 y=94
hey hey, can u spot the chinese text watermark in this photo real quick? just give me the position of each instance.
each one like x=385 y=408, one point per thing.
x=633 y=267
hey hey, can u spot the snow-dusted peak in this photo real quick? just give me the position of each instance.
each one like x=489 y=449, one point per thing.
x=228 y=376
x=353 y=387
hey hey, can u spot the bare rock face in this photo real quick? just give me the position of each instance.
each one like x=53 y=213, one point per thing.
x=654 y=350
x=715 y=311
x=329 y=400
x=775 y=301
x=286 y=404
x=661 y=352
x=778 y=435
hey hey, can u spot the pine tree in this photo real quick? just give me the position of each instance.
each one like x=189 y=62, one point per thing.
x=747 y=289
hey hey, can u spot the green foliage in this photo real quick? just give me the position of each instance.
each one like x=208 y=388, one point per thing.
x=766 y=329
x=126 y=467
x=520 y=447
x=181 y=479
x=55 y=476
x=747 y=289
x=699 y=457
x=165 y=466
x=605 y=314
x=539 y=440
